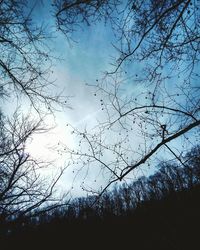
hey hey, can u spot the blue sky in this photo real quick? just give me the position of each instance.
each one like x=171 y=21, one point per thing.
x=83 y=61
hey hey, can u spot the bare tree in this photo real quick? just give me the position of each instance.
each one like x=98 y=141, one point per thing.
x=23 y=186
x=150 y=101
x=26 y=59
x=25 y=73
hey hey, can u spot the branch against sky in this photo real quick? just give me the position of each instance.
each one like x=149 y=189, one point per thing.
x=25 y=80
x=150 y=100
x=137 y=128
x=162 y=31
x=23 y=185
x=26 y=59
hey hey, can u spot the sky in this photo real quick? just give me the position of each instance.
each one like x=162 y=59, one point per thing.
x=81 y=63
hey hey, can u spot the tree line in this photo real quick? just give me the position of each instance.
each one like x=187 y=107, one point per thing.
x=171 y=179
x=156 y=212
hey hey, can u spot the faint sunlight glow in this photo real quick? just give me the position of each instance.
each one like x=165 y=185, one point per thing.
x=45 y=146
x=48 y=146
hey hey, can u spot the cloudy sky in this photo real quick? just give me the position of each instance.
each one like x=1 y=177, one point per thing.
x=82 y=62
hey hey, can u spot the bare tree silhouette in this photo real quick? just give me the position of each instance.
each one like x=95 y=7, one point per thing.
x=25 y=73
x=26 y=59
x=23 y=187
